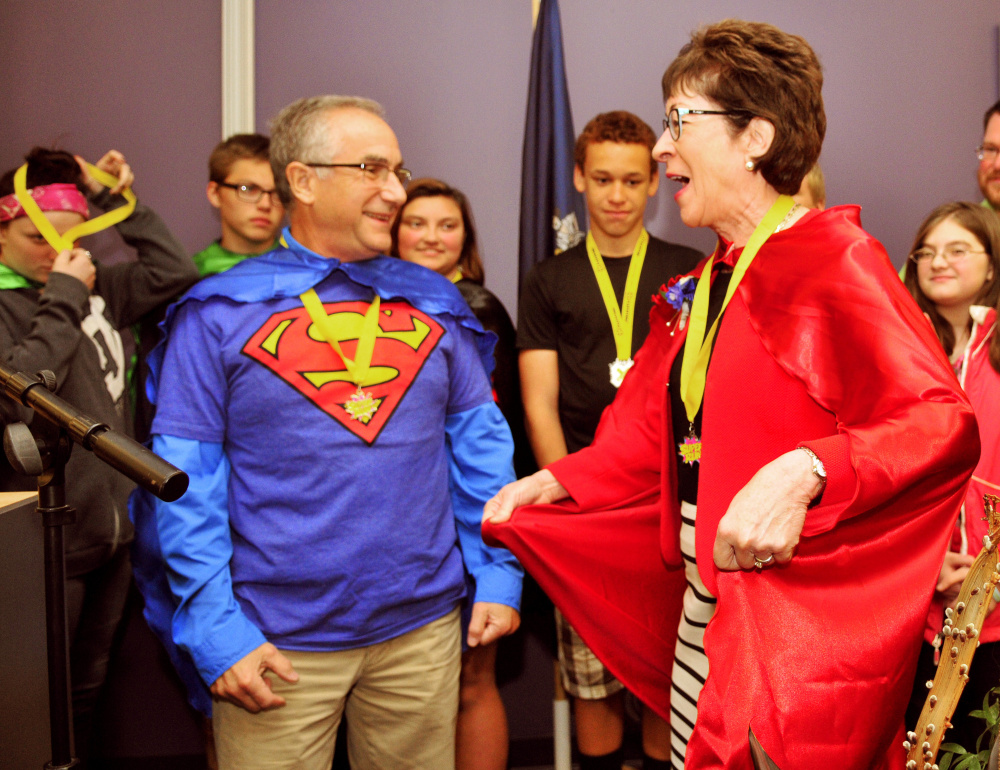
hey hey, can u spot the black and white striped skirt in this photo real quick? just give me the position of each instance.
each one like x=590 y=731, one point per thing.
x=690 y=663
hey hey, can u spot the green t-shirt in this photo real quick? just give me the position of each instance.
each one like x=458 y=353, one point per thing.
x=216 y=259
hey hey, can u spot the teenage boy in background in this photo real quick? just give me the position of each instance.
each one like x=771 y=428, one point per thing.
x=583 y=315
x=241 y=187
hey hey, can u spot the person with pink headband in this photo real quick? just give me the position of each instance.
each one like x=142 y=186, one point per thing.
x=60 y=310
x=52 y=197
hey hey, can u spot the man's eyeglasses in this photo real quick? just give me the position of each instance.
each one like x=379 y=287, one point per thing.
x=987 y=152
x=951 y=254
x=673 y=124
x=374 y=171
x=251 y=193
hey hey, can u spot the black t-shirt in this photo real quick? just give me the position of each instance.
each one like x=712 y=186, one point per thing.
x=561 y=309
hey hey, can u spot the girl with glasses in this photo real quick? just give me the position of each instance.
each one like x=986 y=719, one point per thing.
x=952 y=267
x=953 y=276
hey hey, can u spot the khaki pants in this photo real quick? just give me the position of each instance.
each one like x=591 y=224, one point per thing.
x=400 y=696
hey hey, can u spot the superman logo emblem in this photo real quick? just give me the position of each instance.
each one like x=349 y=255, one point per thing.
x=290 y=346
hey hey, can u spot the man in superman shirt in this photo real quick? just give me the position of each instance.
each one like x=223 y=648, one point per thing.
x=333 y=409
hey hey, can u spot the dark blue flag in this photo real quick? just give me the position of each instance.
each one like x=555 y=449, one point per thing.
x=552 y=211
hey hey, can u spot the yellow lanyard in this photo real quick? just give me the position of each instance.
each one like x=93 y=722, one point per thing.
x=698 y=345
x=359 y=367
x=621 y=318
x=66 y=240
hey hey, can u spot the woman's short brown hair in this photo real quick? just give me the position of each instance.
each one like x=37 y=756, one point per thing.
x=985 y=225
x=469 y=261
x=756 y=70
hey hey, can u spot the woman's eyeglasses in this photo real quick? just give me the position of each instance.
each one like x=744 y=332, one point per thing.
x=673 y=124
x=951 y=254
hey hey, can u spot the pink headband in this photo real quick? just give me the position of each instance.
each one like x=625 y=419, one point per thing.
x=50 y=197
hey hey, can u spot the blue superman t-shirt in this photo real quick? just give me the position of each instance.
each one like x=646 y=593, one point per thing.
x=342 y=532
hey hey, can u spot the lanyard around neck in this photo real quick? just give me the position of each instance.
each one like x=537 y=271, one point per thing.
x=698 y=345
x=358 y=368
x=65 y=241
x=621 y=318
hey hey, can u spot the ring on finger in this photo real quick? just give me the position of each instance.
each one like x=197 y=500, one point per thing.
x=759 y=563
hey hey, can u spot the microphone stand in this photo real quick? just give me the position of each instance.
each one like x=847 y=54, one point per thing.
x=43 y=451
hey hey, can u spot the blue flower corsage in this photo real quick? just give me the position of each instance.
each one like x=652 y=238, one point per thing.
x=679 y=293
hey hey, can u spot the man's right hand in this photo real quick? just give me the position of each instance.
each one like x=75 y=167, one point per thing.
x=244 y=684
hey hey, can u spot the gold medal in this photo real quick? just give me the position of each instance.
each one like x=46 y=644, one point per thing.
x=362 y=406
x=690 y=448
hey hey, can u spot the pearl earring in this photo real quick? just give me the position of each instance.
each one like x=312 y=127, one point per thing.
x=749 y=165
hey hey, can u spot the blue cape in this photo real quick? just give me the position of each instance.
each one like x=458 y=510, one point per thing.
x=288 y=271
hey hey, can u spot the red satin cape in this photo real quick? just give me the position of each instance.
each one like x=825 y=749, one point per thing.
x=822 y=347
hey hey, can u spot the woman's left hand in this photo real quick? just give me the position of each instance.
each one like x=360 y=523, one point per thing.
x=113 y=163
x=766 y=517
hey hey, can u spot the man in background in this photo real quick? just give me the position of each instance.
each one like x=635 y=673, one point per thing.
x=988 y=153
x=241 y=188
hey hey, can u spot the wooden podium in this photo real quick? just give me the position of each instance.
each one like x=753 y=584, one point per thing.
x=24 y=716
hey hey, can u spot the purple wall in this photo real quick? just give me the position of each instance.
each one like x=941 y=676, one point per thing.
x=453 y=82
x=906 y=86
x=143 y=78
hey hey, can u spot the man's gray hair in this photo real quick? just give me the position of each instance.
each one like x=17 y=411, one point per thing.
x=299 y=133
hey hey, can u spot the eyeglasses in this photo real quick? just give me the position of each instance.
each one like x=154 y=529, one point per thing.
x=987 y=152
x=951 y=254
x=374 y=172
x=251 y=193
x=673 y=124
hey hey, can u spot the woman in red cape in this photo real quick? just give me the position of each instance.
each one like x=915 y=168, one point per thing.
x=785 y=460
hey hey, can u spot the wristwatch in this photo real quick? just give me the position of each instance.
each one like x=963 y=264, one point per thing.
x=818 y=469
